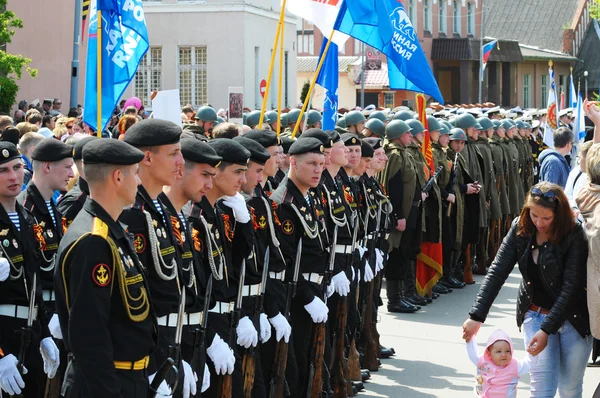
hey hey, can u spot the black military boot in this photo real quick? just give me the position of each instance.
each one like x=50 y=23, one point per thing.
x=395 y=301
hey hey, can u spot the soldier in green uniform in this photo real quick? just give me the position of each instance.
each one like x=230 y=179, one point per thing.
x=374 y=128
x=103 y=298
x=206 y=117
x=314 y=119
x=515 y=181
x=501 y=173
x=292 y=118
x=355 y=123
x=528 y=183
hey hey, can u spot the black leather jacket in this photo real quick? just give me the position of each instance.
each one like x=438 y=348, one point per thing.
x=564 y=277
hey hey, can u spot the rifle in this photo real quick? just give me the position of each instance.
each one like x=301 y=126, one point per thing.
x=315 y=374
x=281 y=348
x=249 y=363
x=198 y=355
x=452 y=182
x=225 y=386
x=431 y=181
x=27 y=330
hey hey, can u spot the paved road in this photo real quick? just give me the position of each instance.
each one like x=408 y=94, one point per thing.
x=431 y=360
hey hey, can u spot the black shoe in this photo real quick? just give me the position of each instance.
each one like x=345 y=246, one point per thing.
x=449 y=282
x=434 y=295
x=428 y=299
x=459 y=284
x=358 y=385
x=439 y=289
x=390 y=348
x=365 y=375
x=415 y=299
x=385 y=353
x=403 y=307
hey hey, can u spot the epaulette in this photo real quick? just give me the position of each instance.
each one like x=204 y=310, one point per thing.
x=99 y=228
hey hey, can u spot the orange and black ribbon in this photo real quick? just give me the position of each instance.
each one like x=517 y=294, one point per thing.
x=38 y=233
x=274 y=206
x=228 y=229
x=196 y=239
x=65 y=225
x=176 y=229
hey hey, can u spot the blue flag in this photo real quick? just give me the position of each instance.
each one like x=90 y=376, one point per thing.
x=384 y=25
x=328 y=79
x=124 y=44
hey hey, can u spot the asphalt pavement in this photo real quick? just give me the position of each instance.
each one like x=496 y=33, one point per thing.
x=431 y=359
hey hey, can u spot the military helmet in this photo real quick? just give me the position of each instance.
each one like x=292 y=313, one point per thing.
x=376 y=126
x=433 y=124
x=416 y=126
x=448 y=126
x=270 y=117
x=404 y=115
x=219 y=120
x=520 y=125
x=507 y=124
x=444 y=130
x=313 y=117
x=396 y=128
x=253 y=118
x=293 y=116
x=485 y=123
x=284 y=121
x=206 y=114
x=457 y=134
x=378 y=115
x=341 y=122
x=353 y=118
x=496 y=123
x=466 y=121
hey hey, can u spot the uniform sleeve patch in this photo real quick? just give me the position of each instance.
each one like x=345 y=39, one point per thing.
x=101 y=275
x=139 y=243
x=288 y=227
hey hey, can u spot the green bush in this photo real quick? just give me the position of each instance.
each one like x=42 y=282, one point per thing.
x=8 y=94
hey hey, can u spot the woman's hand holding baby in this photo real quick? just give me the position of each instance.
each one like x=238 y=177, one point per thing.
x=470 y=329
x=538 y=343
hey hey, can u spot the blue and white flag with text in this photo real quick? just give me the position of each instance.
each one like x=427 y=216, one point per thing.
x=328 y=79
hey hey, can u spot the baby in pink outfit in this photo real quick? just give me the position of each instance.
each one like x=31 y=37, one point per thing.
x=498 y=372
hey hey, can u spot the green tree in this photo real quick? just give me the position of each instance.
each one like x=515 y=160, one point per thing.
x=11 y=65
x=304 y=91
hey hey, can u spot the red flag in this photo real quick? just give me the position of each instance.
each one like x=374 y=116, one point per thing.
x=84 y=13
x=426 y=146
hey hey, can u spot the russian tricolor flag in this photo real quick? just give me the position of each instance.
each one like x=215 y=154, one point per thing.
x=487 y=50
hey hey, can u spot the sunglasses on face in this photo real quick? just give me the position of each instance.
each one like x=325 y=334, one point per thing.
x=548 y=197
x=69 y=126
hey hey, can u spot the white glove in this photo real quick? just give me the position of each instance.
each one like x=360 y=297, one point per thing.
x=246 y=333
x=282 y=327
x=205 y=379
x=4 y=270
x=54 y=326
x=361 y=250
x=368 y=276
x=189 y=380
x=265 y=328
x=221 y=355
x=51 y=356
x=163 y=390
x=341 y=284
x=238 y=205
x=318 y=310
x=10 y=378
x=330 y=290
x=379 y=260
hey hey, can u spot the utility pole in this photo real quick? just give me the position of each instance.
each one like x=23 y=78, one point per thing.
x=75 y=61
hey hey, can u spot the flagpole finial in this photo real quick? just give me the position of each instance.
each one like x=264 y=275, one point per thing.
x=550 y=63
x=571 y=70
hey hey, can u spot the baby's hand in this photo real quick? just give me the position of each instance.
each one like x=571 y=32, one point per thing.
x=532 y=350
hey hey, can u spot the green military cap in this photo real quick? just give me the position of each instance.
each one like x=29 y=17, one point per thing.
x=433 y=124
x=374 y=142
x=107 y=151
x=293 y=115
x=366 y=150
x=253 y=118
x=78 y=147
x=284 y=120
x=306 y=145
x=51 y=150
x=376 y=126
x=466 y=120
x=378 y=115
x=507 y=124
x=350 y=139
x=520 y=125
x=258 y=153
x=270 y=117
x=153 y=132
x=334 y=136
x=396 y=128
x=485 y=123
x=244 y=117
x=313 y=117
x=320 y=135
x=230 y=150
x=353 y=118
x=341 y=122
x=457 y=134
x=198 y=151
x=266 y=138
x=527 y=126
x=8 y=152
x=219 y=120
x=444 y=130
x=496 y=123
x=416 y=126
x=206 y=114
x=286 y=143
x=448 y=126
x=404 y=115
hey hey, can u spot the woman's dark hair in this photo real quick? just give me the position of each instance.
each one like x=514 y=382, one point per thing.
x=46 y=120
x=552 y=197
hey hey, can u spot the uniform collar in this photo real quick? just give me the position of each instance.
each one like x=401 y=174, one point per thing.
x=83 y=186
x=92 y=207
x=35 y=195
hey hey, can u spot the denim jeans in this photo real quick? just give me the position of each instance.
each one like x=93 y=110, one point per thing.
x=562 y=363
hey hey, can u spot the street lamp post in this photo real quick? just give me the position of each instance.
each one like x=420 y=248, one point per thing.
x=585 y=74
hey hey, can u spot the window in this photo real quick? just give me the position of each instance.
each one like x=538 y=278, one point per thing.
x=426 y=16
x=544 y=86
x=149 y=75
x=192 y=76
x=412 y=13
x=442 y=17
x=342 y=49
x=456 y=17
x=306 y=42
x=526 y=91
x=470 y=19
x=357 y=47
x=388 y=100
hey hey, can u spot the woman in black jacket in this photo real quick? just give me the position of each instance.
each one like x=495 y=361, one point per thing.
x=551 y=250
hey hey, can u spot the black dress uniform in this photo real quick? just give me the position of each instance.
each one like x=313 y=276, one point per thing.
x=21 y=250
x=103 y=298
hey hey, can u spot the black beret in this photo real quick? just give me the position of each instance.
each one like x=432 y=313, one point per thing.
x=266 y=138
x=109 y=151
x=153 y=132
x=8 y=152
x=350 y=139
x=334 y=136
x=320 y=135
x=258 y=153
x=51 y=150
x=286 y=143
x=306 y=145
x=230 y=151
x=198 y=151
x=366 y=150
x=78 y=147
x=375 y=142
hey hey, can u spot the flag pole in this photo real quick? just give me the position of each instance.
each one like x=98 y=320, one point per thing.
x=99 y=73
x=312 y=85
x=280 y=28
x=481 y=54
x=280 y=85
